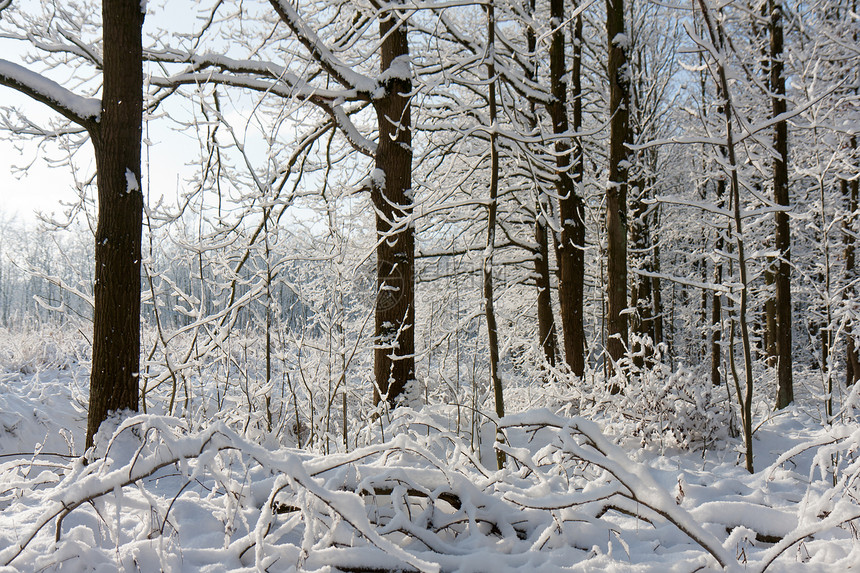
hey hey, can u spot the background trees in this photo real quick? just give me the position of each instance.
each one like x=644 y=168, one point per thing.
x=336 y=138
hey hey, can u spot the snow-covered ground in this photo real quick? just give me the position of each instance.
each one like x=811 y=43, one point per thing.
x=160 y=496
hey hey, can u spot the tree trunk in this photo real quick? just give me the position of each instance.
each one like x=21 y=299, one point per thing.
x=640 y=290
x=771 y=355
x=570 y=247
x=716 y=299
x=616 y=192
x=850 y=195
x=657 y=312
x=394 y=361
x=546 y=319
x=489 y=308
x=117 y=142
x=785 y=390
x=852 y=370
x=715 y=32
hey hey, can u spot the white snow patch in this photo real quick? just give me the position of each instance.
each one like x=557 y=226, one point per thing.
x=131 y=184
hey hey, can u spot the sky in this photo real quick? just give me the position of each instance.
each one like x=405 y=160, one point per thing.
x=28 y=182
x=37 y=187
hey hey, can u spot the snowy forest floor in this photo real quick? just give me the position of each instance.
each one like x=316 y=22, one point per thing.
x=641 y=491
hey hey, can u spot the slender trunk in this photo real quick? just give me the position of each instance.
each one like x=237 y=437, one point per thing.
x=269 y=278
x=616 y=192
x=850 y=191
x=640 y=233
x=117 y=142
x=657 y=298
x=640 y=289
x=546 y=320
x=394 y=355
x=716 y=298
x=716 y=34
x=850 y=196
x=785 y=390
x=771 y=354
x=489 y=309
x=570 y=247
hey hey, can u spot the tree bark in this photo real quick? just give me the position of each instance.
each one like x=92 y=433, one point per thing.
x=394 y=355
x=716 y=298
x=640 y=290
x=715 y=31
x=850 y=191
x=117 y=142
x=546 y=319
x=785 y=390
x=850 y=196
x=616 y=192
x=489 y=307
x=570 y=246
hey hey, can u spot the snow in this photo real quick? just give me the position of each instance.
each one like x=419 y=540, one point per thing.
x=158 y=493
x=131 y=184
x=399 y=69
x=320 y=52
x=49 y=91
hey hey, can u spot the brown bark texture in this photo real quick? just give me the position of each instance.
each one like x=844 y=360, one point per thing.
x=716 y=298
x=785 y=388
x=117 y=141
x=546 y=319
x=570 y=246
x=394 y=355
x=616 y=191
x=850 y=193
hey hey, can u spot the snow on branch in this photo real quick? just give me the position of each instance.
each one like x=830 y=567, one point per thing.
x=421 y=501
x=82 y=110
x=339 y=71
x=583 y=440
x=287 y=86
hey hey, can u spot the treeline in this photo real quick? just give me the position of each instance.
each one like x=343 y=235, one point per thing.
x=580 y=191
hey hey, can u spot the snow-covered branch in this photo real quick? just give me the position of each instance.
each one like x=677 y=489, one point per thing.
x=84 y=111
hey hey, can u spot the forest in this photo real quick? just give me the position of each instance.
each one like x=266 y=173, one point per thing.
x=431 y=285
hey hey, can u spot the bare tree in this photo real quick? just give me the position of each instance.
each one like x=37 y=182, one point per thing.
x=114 y=127
x=717 y=46
x=616 y=191
x=782 y=238
x=570 y=242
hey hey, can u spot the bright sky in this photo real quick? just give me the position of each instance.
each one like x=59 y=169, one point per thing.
x=41 y=187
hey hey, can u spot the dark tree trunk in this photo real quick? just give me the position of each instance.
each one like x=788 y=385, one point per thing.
x=616 y=192
x=117 y=142
x=716 y=35
x=850 y=191
x=546 y=319
x=785 y=391
x=657 y=296
x=850 y=195
x=640 y=291
x=489 y=307
x=394 y=361
x=716 y=298
x=570 y=247
x=640 y=238
x=769 y=351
